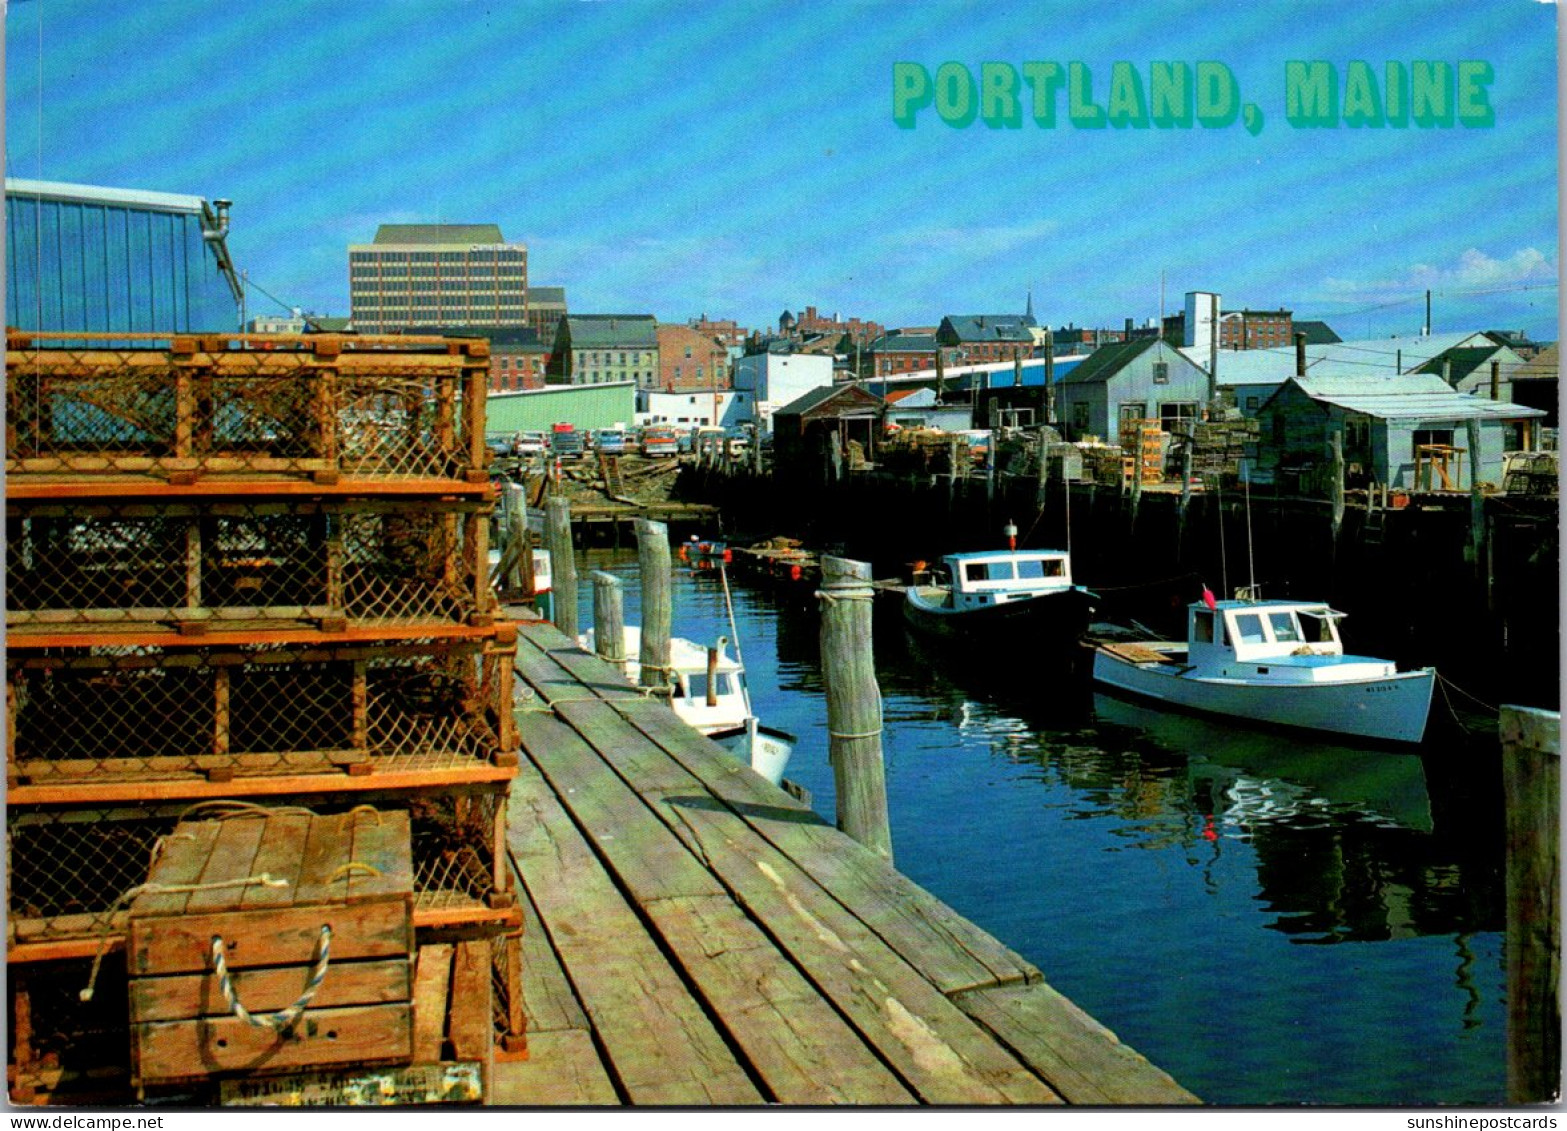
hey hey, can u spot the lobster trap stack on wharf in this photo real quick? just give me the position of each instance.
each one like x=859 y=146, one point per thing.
x=260 y=740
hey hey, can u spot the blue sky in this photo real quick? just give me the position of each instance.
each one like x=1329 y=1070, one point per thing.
x=740 y=159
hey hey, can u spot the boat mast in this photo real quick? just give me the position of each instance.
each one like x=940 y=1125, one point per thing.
x=734 y=634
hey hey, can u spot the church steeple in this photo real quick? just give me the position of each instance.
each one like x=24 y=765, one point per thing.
x=1028 y=315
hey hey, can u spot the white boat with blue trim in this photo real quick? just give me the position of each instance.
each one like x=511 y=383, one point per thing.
x=708 y=691
x=1277 y=662
x=1025 y=594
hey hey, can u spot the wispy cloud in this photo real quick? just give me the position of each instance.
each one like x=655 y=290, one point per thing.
x=974 y=239
x=1473 y=270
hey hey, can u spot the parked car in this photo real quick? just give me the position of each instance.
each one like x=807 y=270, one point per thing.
x=566 y=442
x=610 y=441
x=529 y=443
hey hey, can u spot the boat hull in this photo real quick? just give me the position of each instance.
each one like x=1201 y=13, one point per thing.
x=765 y=749
x=1390 y=709
x=1049 y=620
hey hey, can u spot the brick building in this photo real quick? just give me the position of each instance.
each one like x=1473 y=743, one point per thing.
x=518 y=359
x=810 y=323
x=688 y=359
x=726 y=330
x=973 y=339
x=899 y=352
x=1255 y=329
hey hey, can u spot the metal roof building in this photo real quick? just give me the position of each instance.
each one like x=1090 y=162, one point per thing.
x=101 y=260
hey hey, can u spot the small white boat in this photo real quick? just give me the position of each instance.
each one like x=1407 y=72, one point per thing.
x=710 y=695
x=1279 y=662
x=1025 y=594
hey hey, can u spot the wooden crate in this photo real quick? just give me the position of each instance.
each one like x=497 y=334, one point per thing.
x=266 y=886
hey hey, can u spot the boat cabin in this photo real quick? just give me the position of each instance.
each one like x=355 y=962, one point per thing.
x=1261 y=630
x=996 y=577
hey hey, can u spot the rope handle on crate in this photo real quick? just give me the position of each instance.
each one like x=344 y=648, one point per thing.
x=283 y=1018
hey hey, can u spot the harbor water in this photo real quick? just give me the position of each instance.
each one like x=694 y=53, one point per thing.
x=1272 y=920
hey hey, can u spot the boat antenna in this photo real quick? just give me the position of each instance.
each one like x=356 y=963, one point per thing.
x=734 y=634
x=1251 y=567
x=1066 y=489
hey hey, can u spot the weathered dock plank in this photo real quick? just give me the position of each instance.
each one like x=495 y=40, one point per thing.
x=941 y=1055
x=797 y=1044
x=772 y=916
x=662 y=1048
x=953 y=953
x=1080 y=1057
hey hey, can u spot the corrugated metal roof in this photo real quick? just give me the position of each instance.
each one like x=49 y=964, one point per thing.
x=438 y=234
x=1369 y=356
x=93 y=194
x=1422 y=396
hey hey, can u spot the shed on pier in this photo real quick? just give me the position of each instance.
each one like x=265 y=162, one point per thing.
x=806 y=429
x=1390 y=425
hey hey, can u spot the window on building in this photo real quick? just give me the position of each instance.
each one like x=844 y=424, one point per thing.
x=1177 y=416
x=1161 y=373
x=1132 y=411
x=1080 y=418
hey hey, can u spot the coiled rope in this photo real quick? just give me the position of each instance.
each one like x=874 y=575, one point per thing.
x=281 y=1020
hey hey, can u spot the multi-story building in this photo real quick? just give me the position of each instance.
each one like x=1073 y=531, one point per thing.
x=1255 y=329
x=81 y=257
x=726 y=330
x=690 y=359
x=899 y=352
x=437 y=275
x=840 y=331
x=595 y=349
x=972 y=339
x=546 y=307
x=517 y=358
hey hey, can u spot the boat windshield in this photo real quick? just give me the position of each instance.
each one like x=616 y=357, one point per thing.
x=1248 y=628
x=1317 y=626
x=1041 y=567
x=697 y=685
x=988 y=571
x=1285 y=629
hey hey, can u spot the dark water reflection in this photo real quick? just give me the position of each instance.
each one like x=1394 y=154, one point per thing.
x=1273 y=920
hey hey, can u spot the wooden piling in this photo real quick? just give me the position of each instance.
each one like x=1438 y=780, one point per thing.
x=518 y=542
x=1336 y=485
x=563 y=564
x=609 y=617
x=1476 y=499
x=657 y=601
x=1043 y=469
x=1531 y=781
x=854 y=720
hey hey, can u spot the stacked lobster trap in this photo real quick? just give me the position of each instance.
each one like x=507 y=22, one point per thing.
x=248 y=604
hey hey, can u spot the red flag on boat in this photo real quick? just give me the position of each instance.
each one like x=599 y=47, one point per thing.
x=1207 y=599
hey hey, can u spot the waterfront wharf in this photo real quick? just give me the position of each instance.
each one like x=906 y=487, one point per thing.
x=696 y=936
x=594 y=520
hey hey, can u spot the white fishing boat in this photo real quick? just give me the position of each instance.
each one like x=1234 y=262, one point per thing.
x=1027 y=595
x=709 y=693
x=1278 y=662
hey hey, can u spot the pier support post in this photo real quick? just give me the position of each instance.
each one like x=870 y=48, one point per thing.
x=657 y=602
x=1336 y=456
x=609 y=617
x=1531 y=781
x=1043 y=469
x=1476 y=500
x=854 y=720
x=518 y=544
x=563 y=564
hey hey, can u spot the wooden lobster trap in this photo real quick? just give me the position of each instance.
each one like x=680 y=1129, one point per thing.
x=197 y=563
x=317 y=406
x=140 y=714
x=273 y=943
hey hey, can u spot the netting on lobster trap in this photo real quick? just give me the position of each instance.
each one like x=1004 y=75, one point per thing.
x=132 y=713
x=371 y=562
x=70 y=868
x=373 y=412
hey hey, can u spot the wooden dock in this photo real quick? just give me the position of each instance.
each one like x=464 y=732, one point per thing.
x=695 y=936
